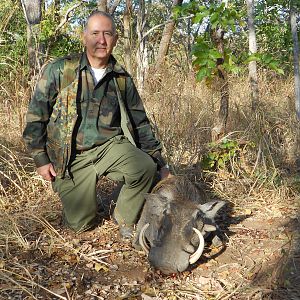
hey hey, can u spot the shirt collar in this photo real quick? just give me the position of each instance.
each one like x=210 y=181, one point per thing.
x=112 y=65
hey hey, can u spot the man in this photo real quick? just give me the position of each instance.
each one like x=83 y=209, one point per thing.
x=82 y=124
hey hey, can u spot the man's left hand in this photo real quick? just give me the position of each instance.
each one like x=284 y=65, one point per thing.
x=164 y=172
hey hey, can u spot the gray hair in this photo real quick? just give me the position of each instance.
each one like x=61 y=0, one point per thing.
x=104 y=14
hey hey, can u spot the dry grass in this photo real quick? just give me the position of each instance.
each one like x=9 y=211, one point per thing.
x=261 y=184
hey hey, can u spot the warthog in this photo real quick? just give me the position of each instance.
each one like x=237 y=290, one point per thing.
x=174 y=222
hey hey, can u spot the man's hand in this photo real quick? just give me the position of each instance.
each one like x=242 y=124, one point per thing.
x=164 y=172
x=47 y=172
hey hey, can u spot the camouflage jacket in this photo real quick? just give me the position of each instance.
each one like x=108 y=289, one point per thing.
x=65 y=100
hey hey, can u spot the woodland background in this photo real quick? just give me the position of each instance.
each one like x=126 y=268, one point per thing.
x=220 y=82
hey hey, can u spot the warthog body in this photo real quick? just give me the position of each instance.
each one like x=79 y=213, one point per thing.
x=174 y=222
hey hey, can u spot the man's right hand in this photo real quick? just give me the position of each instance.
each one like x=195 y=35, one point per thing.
x=47 y=172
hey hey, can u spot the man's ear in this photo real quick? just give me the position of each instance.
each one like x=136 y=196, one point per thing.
x=83 y=38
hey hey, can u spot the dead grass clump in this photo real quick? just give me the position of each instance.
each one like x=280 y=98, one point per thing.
x=20 y=186
x=182 y=117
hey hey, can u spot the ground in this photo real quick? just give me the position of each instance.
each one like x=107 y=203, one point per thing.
x=260 y=259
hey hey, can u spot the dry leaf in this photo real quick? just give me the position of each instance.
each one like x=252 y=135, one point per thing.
x=248 y=212
x=98 y=267
x=2 y=264
x=146 y=297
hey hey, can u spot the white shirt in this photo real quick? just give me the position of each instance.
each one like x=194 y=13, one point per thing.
x=98 y=74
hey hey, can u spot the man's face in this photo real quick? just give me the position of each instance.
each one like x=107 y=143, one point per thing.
x=99 y=39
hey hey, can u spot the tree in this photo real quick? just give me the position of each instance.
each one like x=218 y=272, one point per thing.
x=252 y=50
x=166 y=37
x=33 y=13
x=219 y=128
x=212 y=59
x=127 y=35
x=293 y=15
x=102 y=5
x=142 y=51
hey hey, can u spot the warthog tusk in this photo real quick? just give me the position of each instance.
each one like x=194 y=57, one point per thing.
x=195 y=256
x=142 y=239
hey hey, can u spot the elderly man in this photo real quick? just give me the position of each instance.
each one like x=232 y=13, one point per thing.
x=86 y=120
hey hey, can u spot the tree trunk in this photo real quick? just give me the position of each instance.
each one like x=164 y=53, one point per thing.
x=296 y=59
x=113 y=7
x=220 y=126
x=252 y=50
x=166 y=37
x=127 y=36
x=102 y=5
x=33 y=13
x=57 y=10
x=142 y=53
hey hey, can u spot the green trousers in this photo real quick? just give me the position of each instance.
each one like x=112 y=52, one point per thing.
x=117 y=159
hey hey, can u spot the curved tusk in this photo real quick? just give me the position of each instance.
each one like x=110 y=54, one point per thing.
x=142 y=239
x=195 y=256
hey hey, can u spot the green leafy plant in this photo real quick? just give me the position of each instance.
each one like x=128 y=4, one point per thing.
x=206 y=57
x=220 y=154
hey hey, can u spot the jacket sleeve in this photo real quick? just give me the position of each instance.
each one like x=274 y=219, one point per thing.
x=144 y=135
x=39 y=111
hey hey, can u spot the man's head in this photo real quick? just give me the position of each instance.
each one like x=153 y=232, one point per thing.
x=99 y=38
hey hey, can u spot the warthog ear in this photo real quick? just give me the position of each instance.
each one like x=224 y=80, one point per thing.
x=209 y=228
x=210 y=209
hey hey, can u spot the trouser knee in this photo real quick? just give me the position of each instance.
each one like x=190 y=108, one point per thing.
x=79 y=203
x=150 y=169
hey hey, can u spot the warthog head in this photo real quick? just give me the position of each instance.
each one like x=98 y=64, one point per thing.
x=174 y=223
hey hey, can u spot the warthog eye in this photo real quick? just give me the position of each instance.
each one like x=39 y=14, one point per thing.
x=164 y=229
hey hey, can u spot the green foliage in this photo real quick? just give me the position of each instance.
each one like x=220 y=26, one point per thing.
x=206 y=56
x=65 y=40
x=273 y=31
x=269 y=177
x=272 y=28
x=220 y=154
x=266 y=60
x=13 y=39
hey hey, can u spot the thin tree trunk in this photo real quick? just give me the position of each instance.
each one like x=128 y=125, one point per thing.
x=252 y=50
x=31 y=48
x=113 y=7
x=296 y=59
x=220 y=126
x=102 y=5
x=166 y=37
x=142 y=51
x=127 y=36
x=57 y=10
x=33 y=13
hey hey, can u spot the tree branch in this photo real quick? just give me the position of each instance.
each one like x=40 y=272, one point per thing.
x=67 y=15
x=163 y=24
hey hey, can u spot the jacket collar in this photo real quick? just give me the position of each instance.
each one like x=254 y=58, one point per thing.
x=112 y=65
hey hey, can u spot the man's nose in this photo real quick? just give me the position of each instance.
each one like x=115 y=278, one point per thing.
x=101 y=38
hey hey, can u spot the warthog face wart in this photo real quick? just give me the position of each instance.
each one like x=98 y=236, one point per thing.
x=174 y=223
